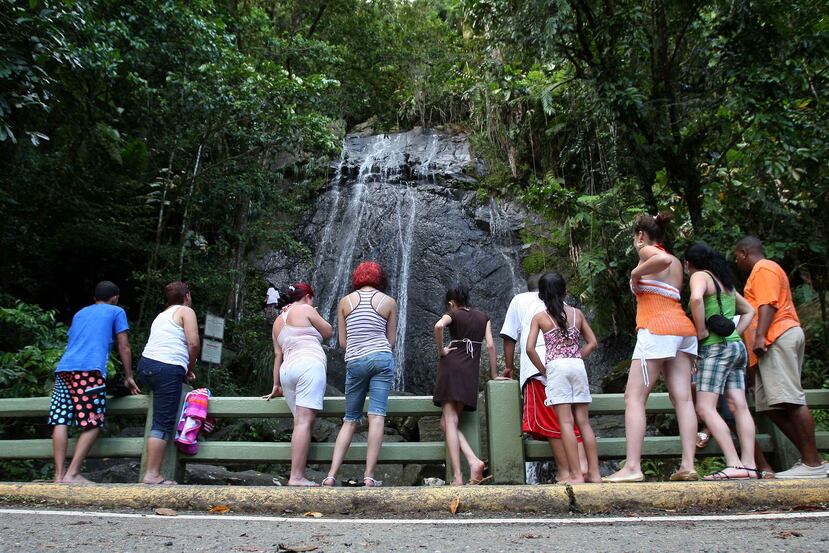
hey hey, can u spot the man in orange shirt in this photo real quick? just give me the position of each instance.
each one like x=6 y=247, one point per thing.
x=779 y=346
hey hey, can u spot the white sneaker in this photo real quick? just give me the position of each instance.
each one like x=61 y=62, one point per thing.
x=799 y=470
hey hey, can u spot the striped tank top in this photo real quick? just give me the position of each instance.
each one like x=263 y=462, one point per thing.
x=365 y=328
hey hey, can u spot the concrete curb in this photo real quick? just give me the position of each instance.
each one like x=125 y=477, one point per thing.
x=584 y=498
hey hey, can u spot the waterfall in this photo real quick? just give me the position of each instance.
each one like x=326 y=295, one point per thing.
x=500 y=232
x=405 y=201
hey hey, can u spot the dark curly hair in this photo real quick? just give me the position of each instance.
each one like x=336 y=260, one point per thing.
x=705 y=258
x=653 y=226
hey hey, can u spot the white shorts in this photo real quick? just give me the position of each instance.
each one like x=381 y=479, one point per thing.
x=662 y=346
x=303 y=384
x=567 y=382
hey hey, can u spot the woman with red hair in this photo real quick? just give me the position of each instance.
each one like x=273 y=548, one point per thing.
x=367 y=322
x=299 y=370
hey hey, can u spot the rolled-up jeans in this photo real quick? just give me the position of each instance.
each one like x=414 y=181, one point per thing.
x=370 y=374
x=165 y=381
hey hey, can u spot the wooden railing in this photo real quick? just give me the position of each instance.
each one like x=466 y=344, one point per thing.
x=507 y=448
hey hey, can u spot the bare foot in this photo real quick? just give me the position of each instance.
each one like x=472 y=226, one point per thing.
x=456 y=482
x=593 y=478
x=161 y=482
x=476 y=471
x=77 y=479
x=302 y=482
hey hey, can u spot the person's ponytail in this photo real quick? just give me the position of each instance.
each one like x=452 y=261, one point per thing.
x=552 y=289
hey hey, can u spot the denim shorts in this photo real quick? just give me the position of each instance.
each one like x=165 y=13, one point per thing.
x=165 y=381
x=368 y=375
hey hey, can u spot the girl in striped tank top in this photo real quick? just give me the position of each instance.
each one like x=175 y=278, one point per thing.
x=666 y=343
x=367 y=327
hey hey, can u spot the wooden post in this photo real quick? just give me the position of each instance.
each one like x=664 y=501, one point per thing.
x=171 y=467
x=506 y=448
x=470 y=426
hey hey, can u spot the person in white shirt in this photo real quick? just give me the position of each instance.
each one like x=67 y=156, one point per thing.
x=271 y=299
x=538 y=421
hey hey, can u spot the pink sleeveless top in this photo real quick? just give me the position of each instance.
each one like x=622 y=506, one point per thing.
x=299 y=343
x=562 y=344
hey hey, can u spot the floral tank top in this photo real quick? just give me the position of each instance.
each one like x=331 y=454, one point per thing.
x=563 y=344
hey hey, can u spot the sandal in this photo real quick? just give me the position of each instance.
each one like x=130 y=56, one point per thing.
x=685 y=476
x=478 y=482
x=326 y=479
x=702 y=439
x=759 y=474
x=372 y=483
x=721 y=474
x=162 y=482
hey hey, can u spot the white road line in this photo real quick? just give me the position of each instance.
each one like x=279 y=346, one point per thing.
x=454 y=521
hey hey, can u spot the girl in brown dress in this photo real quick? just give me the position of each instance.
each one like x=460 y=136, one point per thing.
x=456 y=386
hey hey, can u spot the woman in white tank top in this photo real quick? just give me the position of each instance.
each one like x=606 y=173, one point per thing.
x=167 y=360
x=299 y=370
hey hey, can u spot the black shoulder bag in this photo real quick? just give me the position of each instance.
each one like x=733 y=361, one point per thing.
x=718 y=323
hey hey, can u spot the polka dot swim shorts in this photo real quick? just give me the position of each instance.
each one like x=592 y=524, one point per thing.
x=79 y=399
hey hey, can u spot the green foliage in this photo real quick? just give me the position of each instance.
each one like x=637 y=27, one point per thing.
x=31 y=343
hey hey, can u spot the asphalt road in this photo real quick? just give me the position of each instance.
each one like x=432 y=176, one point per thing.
x=24 y=530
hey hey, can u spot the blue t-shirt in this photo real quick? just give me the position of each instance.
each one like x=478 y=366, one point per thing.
x=90 y=338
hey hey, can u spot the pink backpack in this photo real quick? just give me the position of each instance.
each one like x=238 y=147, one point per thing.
x=193 y=420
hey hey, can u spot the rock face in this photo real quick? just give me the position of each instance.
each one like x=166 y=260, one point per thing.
x=404 y=201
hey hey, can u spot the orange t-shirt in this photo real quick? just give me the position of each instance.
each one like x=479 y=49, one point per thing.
x=768 y=285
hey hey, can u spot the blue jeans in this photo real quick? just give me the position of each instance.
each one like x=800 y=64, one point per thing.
x=165 y=382
x=372 y=375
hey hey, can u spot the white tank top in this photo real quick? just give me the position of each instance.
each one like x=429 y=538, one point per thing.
x=167 y=343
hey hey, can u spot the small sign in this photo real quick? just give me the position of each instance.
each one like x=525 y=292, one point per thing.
x=214 y=327
x=211 y=351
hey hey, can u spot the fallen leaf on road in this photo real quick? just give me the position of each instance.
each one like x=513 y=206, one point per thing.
x=531 y=536
x=165 y=512
x=312 y=514
x=221 y=509
x=786 y=534
x=453 y=506
x=249 y=549
x=296 y=548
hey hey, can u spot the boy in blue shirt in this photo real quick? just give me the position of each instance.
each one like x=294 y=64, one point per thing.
x=79 y=397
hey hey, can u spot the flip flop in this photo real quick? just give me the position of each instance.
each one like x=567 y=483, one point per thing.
x=685 y=476
x=478 y=482
x=326 y=479
x=162 y=482
x=373 y=483
x=721 y=475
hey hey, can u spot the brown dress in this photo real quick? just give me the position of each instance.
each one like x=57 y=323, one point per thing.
x=458 y=375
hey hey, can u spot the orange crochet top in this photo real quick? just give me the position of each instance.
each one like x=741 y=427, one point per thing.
x=659 y=311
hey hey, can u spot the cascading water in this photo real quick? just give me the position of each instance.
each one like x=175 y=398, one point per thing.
x=500 y=231
x=408 y=201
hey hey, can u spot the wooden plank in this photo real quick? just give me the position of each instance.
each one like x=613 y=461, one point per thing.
x=280 y=452
x=42 y=449
x=817 y=399
x=655 y=446
x=822 y=439
x=614 y=404
x=254 y=407
x=39 y=406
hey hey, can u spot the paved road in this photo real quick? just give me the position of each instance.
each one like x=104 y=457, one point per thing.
x=77 y=532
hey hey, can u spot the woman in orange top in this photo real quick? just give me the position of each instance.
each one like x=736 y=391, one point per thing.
x=666 y=342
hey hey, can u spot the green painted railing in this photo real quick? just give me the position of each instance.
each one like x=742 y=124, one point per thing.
x=508 y=449
x=235 y=451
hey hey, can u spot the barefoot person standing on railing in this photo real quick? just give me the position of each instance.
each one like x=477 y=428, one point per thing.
x=666 y=342
x=79 y=397
x=367 y=327
x=722 y=366
x=299 y=370
x=458 y=375
x=167 y=361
